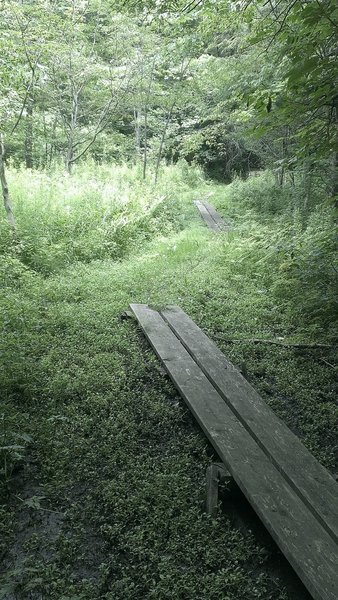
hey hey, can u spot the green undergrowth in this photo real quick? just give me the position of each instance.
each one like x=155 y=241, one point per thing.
x=99 y=212
x=293 y=251
x=103 y=467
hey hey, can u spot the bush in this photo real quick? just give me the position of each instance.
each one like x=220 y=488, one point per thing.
x=307 y=272
x=294 y=254
x=216 y=147
x=261 y=195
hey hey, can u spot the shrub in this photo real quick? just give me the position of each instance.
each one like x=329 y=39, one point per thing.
x=261 y=195
x=307 y=272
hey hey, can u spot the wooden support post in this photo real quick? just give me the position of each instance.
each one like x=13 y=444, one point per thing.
x=216 y=473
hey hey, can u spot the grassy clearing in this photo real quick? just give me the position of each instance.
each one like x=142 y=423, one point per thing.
x=105 y=442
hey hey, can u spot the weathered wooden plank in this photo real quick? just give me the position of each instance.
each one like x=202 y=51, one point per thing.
x=303 y=472
x=305 y=543
x=207 y=218
x=216 y=216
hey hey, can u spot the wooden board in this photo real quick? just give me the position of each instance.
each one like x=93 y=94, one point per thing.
x=216 y=217
x=207 y=218
x=305 y=543
x=303 y=472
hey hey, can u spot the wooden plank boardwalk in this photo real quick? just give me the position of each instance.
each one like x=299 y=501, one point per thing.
x=295 y=497
x=210 y=216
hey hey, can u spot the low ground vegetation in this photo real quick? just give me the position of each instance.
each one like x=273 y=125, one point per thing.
x=102 y=466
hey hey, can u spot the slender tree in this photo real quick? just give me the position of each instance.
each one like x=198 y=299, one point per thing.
x=4 y=186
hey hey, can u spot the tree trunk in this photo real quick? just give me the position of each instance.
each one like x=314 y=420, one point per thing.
x=159 y=156
x=52 y=142
x=29 y=134
x=145 y=142
x=69 y=155
x=145 y=155
x=73 y=125
x=137 y=132
x=4 y=186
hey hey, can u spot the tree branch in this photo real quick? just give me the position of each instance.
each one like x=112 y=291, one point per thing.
x=272 y=342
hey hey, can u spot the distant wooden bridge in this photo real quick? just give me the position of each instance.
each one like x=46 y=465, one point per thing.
x=210 y=216
x=293 y=494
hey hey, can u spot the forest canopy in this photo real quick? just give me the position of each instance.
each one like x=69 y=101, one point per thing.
x=232 y=86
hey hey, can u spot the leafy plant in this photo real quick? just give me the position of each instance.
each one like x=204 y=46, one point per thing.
x=12 y=447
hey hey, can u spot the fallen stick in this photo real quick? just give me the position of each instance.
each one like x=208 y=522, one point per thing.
x=274 y=342
x=327 y=363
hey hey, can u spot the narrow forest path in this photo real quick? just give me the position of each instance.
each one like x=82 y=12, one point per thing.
x=111 y=503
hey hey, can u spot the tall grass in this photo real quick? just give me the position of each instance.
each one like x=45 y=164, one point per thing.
x=290 y=245
x=110 y=212
x=101 y=211
x=265 y=199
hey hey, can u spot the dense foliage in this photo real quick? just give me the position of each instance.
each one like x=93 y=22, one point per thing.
x=83 y=78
